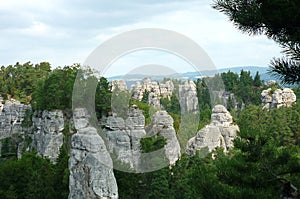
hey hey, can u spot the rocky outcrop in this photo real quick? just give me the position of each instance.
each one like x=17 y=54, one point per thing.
x=188 y=97
x=277 y=98
x=44 y=131
x=162 y=125
x=47 y=134
x=219 y=133
x=123 y=136
x=12 y=115
x=91 y=173
x=155 y=91
x=137 y=92
x=11 y=118
x=166 y=89
x=118 y=85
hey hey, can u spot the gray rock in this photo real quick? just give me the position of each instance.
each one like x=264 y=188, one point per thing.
x=188 y=97
x=154 y=100
x=162 y=125
x=48 y=135
x=280 y=97
x=166 y=89
x=12 y=114
x=80 y=118
x=118 y=84
x=137 y=91
x=219 y=133
x=45 y=132
x=11 y=117
x=91 y=173
x=123 y=136
x=156 y=91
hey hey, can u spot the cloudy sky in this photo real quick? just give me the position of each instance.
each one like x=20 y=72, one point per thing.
x=64 y=32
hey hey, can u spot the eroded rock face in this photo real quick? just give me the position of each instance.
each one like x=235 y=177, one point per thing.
x=48 y=135
x=137 y=91
x=12 y=114
x=11 y=117
x=166 y=89
x=46 y=130
x=219 y=133
x=162 y=125
x=188 y=97
x=91 y=173
x=124 y=135
x=118 y=84
x=156 y=91
x=279 y=97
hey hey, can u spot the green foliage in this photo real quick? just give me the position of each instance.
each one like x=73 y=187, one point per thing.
x=279 y=20
x=34 y=177
x=61 y=175
x=145 y=96
x=230 y=80
x=256 y=81
x=266 y=151
x=8 y=148
x=265 y=155
x=245 y=89
x=27 y=120
x=150 y=144
x=146 y=110
x=20 y=81
x=55 y=92
x=172 y=106
x=103 y=98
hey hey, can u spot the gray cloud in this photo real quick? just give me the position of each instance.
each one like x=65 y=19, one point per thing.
x=64 y=32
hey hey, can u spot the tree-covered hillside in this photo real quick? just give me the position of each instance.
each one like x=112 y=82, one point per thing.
x=265 y=159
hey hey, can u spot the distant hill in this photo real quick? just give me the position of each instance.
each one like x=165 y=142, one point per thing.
x=132 y=78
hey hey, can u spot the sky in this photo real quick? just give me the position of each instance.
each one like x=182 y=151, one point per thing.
x=64 y=32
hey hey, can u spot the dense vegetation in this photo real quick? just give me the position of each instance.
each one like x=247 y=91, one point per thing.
x=34 y=177
x=266 y=156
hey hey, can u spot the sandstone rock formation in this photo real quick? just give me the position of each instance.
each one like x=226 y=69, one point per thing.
x=166 y=89
x=277 y=98
x=188 y=97
x=156 y=91
x=11 y=117
x=219 y=133
x=91 y=174
x=12 y=114
x=123 y=136
x=118 y=84
x=47 y=137
x=162 y=125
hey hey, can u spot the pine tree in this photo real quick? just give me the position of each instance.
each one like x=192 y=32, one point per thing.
x=279 y=20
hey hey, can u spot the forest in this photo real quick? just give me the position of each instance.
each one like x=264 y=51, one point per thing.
x=265 y=157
